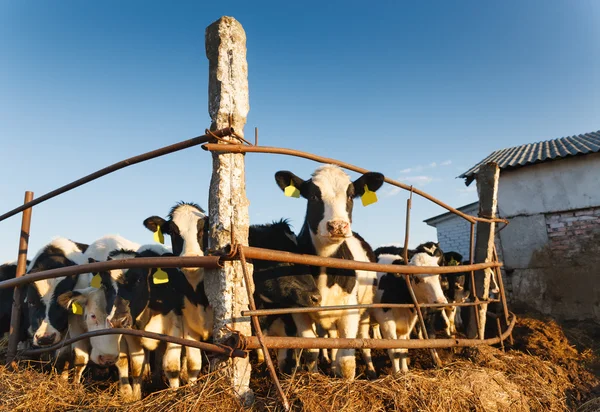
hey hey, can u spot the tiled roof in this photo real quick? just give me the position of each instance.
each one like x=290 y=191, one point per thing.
x=539 y=152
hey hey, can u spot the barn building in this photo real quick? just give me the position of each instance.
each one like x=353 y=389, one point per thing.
x=550 y=192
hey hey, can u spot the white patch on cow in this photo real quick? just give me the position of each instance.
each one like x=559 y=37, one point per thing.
x=156 y=324
x=292 y=237
x=198 y=319
x=429 y=289
x=430 y=250
x=100 y=248
x=186 y=218
x=265 y=299
x=69 y=248
x=155 y=248
x=333 y=183
x=365 y=279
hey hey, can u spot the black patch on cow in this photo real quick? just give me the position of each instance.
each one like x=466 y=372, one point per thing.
x=393 y=250
x=50 y=258
x=437 y=252
x=315 y=208
x=395 y=289
x=81 y=246
x=366 y=247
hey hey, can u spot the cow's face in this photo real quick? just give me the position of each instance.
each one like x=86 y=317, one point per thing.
x=132 y=298
x=95 y=303
x=427 y=287
x=330 y=194
x=186 y=227
x=48 y=321
x=289 y=285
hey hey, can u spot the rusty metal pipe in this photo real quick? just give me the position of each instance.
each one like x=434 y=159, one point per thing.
x=473 y=290
x=345 y=343
x=209 y=262
x=311 y=260
x=15 y=316
x=283 y=311
x=259 y=334
x=219 y=349
x=120 y=165
x=236 y=148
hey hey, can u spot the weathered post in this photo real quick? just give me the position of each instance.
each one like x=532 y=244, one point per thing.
x=487 y=189
x=227 y=203
x=15 y=318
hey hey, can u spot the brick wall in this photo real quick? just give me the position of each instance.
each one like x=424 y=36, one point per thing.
x=453 y=235
x=572 y=233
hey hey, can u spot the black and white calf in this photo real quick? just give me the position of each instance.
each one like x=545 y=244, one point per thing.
x=9 y=271
x=96 y=302
x=154 y=307
x=187 y=226
x=281 y=285
x=398 y=323
x=327 y=232
x=48 y=320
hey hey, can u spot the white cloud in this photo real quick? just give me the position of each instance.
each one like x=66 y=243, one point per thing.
x=391 y=191
x=420 y=180
x=446 y=163
x=432 y=165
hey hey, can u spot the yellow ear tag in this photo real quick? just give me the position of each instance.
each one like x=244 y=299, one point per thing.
x=96 y=281
x=368 y=198
x=291 y=191
x=158 y=235
x=77 y=308
x=160 y=276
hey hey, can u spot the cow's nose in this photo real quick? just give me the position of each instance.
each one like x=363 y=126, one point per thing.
x=337 y=227
x=315 y=299
x=106 y=360
x=45 y=339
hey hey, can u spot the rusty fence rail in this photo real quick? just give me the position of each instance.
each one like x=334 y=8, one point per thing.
x=237 y=347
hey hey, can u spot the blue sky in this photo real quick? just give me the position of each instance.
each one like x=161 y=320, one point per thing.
x=419 y=91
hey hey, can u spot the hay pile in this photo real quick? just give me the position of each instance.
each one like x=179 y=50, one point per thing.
x=546 y=370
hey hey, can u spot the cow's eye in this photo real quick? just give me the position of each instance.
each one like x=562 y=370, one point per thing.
x=314 y=198
x=93 y=317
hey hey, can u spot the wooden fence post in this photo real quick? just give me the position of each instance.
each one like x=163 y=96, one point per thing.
x=227 y=203
x=15 y=318
x=487 y=189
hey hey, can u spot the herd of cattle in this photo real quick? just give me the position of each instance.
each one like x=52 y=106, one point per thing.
x=173 y=301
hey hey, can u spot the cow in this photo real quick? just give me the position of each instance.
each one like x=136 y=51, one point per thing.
x=327 y=232
x=95 y=302
x=187 y=226
x=398 y=323
x=280 y=285
x=144 y=303
x=8 y=271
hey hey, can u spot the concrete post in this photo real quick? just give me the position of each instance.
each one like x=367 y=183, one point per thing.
x=487 y=189
x=227 y=203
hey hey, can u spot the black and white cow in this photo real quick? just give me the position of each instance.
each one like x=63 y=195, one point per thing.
x=281 y=285
x=187 y=225
x=96 y=302
x=49 y=320
x=154 y=307
x=398 y=323
x=327 y=232
x=9 y=271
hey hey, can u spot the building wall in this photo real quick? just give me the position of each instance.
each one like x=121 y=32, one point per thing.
x=551 y=248
x=563 y=184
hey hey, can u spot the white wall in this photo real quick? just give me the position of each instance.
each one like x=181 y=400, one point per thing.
x=558 y=185
x=453 y=232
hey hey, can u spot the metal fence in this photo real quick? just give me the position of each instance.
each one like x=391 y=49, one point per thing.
x=237 y=344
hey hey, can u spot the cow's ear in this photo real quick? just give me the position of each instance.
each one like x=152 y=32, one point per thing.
x=284 y=178
x=153 y=222
x=372 y=180
x=67 y=299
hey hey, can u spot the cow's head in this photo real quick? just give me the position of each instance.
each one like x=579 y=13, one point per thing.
x=48 y=320
x=330 y=194
x=428 y=287
x=287 y=285
x=96 y=304
x=186 y=225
